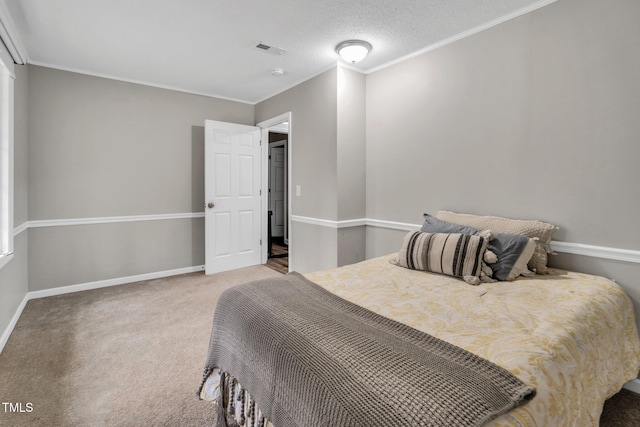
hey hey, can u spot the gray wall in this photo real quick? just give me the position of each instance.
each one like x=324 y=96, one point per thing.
x=534 y=118
x=328 y=161
x=104 y=148
x=312 y=144
x=21 y=152
x=351 y=163
x=351 y=144
x=14 y=277
x=313 y=106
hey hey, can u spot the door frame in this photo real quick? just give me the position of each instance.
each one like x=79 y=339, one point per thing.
x=264 y=126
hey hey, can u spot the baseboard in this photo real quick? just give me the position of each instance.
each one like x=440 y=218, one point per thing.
x=12 y=323
x=112 y=282
x=633 y=385
x=88 y=286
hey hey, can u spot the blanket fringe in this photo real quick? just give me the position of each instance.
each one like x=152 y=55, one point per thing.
x=235 y=406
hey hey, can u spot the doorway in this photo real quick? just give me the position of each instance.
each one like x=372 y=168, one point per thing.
x=278 y=250
x=277 y=132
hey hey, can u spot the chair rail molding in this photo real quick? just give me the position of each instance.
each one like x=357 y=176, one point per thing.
x=40 y=223
x=627 y=255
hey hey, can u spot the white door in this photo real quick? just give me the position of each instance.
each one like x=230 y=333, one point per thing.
x=277 y=186
x=233 y=209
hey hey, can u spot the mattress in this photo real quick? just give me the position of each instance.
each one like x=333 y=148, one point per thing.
x=570 y=335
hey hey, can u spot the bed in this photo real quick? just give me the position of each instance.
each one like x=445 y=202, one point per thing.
x=570 y=336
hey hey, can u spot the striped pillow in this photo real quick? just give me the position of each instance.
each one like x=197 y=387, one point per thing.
x=453 y=254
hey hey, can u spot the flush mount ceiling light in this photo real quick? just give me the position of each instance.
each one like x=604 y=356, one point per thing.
x=353 y=50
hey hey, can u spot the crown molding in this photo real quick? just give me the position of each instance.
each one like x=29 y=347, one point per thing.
x=137 y=82
x=296 y=83
x=463 y=35
x=11 y=37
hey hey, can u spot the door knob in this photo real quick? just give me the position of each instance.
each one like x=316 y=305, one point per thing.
x=210 y=205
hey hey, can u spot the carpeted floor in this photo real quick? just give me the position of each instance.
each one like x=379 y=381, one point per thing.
x=129 y=355
x=622 y=410
x=132 y=355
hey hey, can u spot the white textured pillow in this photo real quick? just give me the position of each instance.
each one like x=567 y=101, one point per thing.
x=539 y=230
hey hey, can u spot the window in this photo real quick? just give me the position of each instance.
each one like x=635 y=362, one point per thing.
x=6 y=156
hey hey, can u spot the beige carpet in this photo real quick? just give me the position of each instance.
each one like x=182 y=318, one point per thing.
x=132 y=355
x=129 y=355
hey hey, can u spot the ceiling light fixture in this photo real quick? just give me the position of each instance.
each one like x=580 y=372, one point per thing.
x=353 y=50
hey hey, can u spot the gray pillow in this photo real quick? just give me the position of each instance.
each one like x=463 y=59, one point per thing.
x=513 y=250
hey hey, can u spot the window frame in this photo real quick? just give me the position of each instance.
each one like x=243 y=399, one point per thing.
x=7 y=78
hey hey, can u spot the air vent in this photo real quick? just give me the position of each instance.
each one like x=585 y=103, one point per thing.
x=270 y=49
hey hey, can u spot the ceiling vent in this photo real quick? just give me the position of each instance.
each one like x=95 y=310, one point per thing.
x=270 y=49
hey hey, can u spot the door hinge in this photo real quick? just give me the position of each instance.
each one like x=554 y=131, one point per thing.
x=261 y=192
x=260 y=242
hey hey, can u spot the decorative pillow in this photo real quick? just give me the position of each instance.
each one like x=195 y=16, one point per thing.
x=512 y=250
x=539 y=230
x=434 y=225
x=455 y=254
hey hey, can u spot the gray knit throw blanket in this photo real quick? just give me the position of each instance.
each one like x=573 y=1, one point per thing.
x=310 y=358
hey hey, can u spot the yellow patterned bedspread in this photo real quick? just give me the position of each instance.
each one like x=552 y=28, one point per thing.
x=572 y=336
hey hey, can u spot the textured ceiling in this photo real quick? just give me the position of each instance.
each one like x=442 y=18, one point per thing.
x=208 y=46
